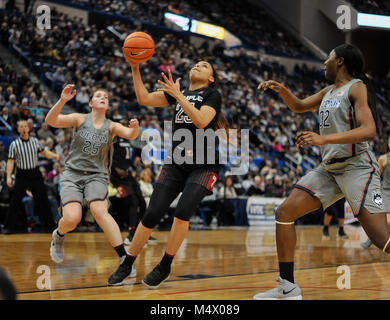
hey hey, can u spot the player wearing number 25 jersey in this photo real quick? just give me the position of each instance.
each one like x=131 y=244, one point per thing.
x=87 y=168
x=198 y=107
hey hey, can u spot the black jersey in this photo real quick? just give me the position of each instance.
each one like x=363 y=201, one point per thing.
x=203 y=96
x=122 y=153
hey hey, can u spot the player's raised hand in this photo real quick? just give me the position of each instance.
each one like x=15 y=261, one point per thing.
x=133 y=123
x=67 y=93
x=270 y=84
x=169 y=86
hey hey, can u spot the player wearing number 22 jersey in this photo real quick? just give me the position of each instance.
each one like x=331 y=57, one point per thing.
x=347 y=114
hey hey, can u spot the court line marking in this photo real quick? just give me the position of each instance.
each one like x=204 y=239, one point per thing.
x=270 y=287
x=216 y=277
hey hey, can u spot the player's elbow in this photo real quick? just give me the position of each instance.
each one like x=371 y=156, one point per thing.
x=143 y=100
x=201 y=124
x=49 y=122
x=134 y=136
x=299 y=107
x=371 y=133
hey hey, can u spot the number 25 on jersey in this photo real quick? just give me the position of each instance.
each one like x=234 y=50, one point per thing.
x=181 y=117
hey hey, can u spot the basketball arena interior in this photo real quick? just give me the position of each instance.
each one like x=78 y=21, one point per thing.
x=234 y=247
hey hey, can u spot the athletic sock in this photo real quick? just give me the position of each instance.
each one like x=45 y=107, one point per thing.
x=132 y=231
x=341 y=229
x=286 y=270
x=120 y=250
x=129 y=260
x=325 y=228
x=59 y=234
x=166 y=261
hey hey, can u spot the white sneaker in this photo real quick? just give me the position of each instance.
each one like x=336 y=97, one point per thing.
x=57 y=247
x=366 y=244
x=133 y=272
x=284 y=291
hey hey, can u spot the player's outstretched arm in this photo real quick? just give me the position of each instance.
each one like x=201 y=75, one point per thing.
x=200 y=118
x=154 y=99
x=365 y=130
x=57 y=120
x=294 y=103
x=131 y=132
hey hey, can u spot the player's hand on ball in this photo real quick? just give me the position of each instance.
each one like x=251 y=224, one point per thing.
x=307 y=138
x=67 y=93
x=132 y=64
x=270 y=84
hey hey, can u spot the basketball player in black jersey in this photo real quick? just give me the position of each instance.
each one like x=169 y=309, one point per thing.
x=198 y=107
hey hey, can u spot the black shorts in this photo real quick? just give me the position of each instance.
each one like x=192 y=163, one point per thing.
x=175 y=177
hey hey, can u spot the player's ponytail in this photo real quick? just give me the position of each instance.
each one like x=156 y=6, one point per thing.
x=354 y=62
x=222 y=122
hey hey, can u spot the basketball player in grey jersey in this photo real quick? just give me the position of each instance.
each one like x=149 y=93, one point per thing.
x=384 y=171
x=87 y=168
x=347 y=116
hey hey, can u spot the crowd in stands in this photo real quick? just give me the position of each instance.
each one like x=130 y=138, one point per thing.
x=91 y=57
x=258 y=29
x=372 y=6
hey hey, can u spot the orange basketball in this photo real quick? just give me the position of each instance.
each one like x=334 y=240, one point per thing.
x=138 y=47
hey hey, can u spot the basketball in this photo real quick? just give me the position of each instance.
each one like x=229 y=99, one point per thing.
x=138 y=47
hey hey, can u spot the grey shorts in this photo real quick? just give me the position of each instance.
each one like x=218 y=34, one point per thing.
x=78 y=185
x=356 y=178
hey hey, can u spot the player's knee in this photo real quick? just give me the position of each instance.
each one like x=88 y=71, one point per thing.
x=152 y=217
x=182 y=214
x=98 y=210
x=72 y=219
x=283 y=214
x=71 y=214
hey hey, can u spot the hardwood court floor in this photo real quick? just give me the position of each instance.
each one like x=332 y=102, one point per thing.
x=229 y=264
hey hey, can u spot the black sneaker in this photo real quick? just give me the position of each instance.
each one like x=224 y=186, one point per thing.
x=123 y=271
x=7 y=231
x=157 y=276
x=325 y=234
x=342 y=235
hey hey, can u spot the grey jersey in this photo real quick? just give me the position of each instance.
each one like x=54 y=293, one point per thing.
x=91 y=148
x=386 y=174
x=337 y=114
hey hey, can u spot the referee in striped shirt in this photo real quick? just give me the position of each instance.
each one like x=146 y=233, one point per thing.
x=24 y=151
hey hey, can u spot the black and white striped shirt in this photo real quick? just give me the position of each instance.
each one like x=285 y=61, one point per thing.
x=25 y=152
